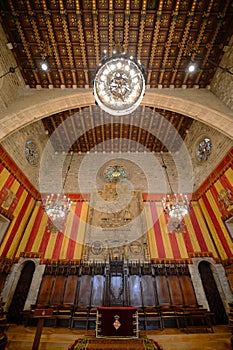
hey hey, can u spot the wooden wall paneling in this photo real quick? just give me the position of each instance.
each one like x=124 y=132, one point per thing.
x=45 y=290
x=135 y=295
x=162 y=290
x=70 y=290
x=58 y=290
x=175 y=290
x=84 y=292
x=97 y=291
x=189 y=296
x=148 y=291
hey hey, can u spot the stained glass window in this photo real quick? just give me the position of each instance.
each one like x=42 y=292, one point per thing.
x=115 y=173
x=204 y=149
x=31 y=152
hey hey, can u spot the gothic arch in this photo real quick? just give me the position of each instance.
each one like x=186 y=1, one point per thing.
x=202 y=106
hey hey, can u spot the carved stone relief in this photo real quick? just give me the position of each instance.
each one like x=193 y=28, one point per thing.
x=116 y=225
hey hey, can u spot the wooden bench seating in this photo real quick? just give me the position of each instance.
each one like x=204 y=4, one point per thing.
x=186 y=317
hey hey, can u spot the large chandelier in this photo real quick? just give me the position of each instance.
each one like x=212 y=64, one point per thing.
x=119 y=84
x=176 y=205
x=57 y=205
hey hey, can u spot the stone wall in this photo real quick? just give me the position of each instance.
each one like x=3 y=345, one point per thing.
x=222 y=84
x=12 y=83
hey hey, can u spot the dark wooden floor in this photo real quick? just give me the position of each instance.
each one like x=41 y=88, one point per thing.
x=21 y=338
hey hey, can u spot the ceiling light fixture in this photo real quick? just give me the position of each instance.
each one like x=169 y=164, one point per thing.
x=175 y=205
x=57 y=205
x=44 y=66
x=119 y=84
x=191 y=50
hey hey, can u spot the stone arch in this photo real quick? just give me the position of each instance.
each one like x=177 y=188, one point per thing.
x=20 y=293
x=215 y=299
x=202 y=106
x=220 y=279
x=13 y=278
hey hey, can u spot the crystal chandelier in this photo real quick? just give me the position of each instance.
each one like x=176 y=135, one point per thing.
x=119 y=84
x=57 y=205
x=176 y=205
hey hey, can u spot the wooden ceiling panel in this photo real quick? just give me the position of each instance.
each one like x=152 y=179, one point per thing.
x=90 y=128
x=162 y=34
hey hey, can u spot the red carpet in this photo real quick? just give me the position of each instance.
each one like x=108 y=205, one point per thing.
x=92 y=343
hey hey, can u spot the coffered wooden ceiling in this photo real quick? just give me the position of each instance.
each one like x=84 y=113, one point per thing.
x=90 y=129
x=72 y=36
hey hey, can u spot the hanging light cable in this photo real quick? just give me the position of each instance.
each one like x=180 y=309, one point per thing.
x=176 y=205
x=57 y=205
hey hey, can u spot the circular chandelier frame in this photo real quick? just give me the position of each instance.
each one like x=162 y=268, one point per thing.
x=119 y=85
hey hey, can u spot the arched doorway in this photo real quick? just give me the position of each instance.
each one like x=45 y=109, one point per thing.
x=21 y=292
x=212 y=294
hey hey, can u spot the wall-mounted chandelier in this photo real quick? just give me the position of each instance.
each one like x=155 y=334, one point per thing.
x=176 y=205
x=119 y=84
x=57 y=205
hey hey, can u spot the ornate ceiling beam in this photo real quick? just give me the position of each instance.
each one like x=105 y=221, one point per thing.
x=56 y=134
x=111 y=28
x=154 y=41
x=198 y=40
x=209 y=46
x=43 y=48
x=84 y=130
x=82 y=41
x=169 y=41
x=63 y=14
x=141 y=29
x=68 y=140
x=93 y=126
x=26 y=45
x=96 y=32
x=140 y=129
x=130 y=131
x=102 y=130
x=49 y=24
x=126 y=25
x=181 y=45
x=121 y=135
x=74 y=128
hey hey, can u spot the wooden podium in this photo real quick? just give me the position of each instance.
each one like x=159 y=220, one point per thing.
x=117 y=322
x=41 y=314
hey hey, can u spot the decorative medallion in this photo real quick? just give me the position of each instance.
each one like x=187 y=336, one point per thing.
x=116 y=323
x=31 y=152
x=97 y=247
x=204 y=149
x=115 y=173
x=135 y=248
